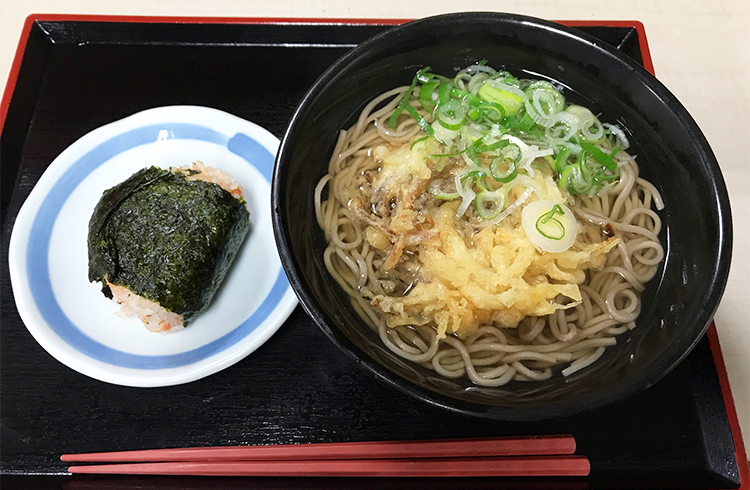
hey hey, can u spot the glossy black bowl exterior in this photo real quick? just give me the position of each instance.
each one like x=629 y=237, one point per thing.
x=678 y=303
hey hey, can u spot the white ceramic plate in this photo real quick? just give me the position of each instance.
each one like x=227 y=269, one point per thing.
x=70 y=317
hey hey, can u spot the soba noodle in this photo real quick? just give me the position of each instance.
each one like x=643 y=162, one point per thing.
x=493 y=355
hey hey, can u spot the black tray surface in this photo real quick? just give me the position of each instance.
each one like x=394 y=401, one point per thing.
x=297 y=388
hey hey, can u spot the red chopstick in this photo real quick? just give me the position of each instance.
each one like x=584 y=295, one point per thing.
x=433 y=467
x=448 y=448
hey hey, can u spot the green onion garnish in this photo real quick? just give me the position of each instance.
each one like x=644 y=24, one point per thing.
x=424 y=75
x=489 y=204
x=425 y=94
x=511 y=103
x=549 y=226
x=518 y=122
x=470 y=98
x=418 y=140
x=506 y=176
x=444 y=92
x=441 y=189
x=492 y=111
x=562 y=159
x=493 y=146
x=451 y=114
x=405 y=99
x=420 y=120
x=439 y=155
x=470 y=125
x=473 y=174
x=599 y=155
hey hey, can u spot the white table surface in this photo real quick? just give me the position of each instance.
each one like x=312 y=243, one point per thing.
x=700 y=50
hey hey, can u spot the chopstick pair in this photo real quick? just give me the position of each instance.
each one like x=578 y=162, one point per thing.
x=505 y=456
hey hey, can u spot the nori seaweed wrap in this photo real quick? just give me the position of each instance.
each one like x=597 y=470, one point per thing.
x=166 y=237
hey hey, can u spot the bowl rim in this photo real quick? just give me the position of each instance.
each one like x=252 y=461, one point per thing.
x=652 y=373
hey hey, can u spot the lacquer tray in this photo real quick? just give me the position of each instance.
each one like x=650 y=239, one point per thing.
x=74 y=74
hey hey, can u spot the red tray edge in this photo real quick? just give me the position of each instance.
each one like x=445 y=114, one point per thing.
x=726 y=391
x=713 y=338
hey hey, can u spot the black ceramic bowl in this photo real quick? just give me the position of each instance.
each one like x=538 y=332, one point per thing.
x=672 y=152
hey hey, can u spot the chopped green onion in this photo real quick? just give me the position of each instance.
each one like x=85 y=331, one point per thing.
x=509 y=101
x=506 y=176
x=470 y=123
x=512 y=152
x=425 y=94
x=510 y=155
x=439 y=155
x=592 y=130
x=492 y=146
x=424 y=75
x=492 y=111
x=418 y=140
x=476 y=175
x=441 y=189
x=519 y=122
x=562 y=159
x=451 y=114
x=476 y=147
x=466 y=96
x=420 y=120
x=444 y=92
x=472 y=152
x=473 y=174
x=599 y=155
x=618 y=134
x=490 y=204
x=549 y=226
x=542 y=102
x=573 y=181
x=405 y=99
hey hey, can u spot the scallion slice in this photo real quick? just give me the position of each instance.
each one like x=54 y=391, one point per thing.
x=444 y=92
x=506 y=176
x=599 y=155
x=510 y=102
x=468 y=97
x=425 y=94
x=407 y=95
x=592 y=130
x=519 y=122
x=473 y=174
x=510 y=156
x=492 y=111
x=490 y=204
x=619 y=134
x=573 y=180
x=443 y=189
x=418 y=140
x=562 y=159
x=549 y=226
x=424 y=75
x=491 y=146
x=543 y=102
x=451 y=114
x=420 y=120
